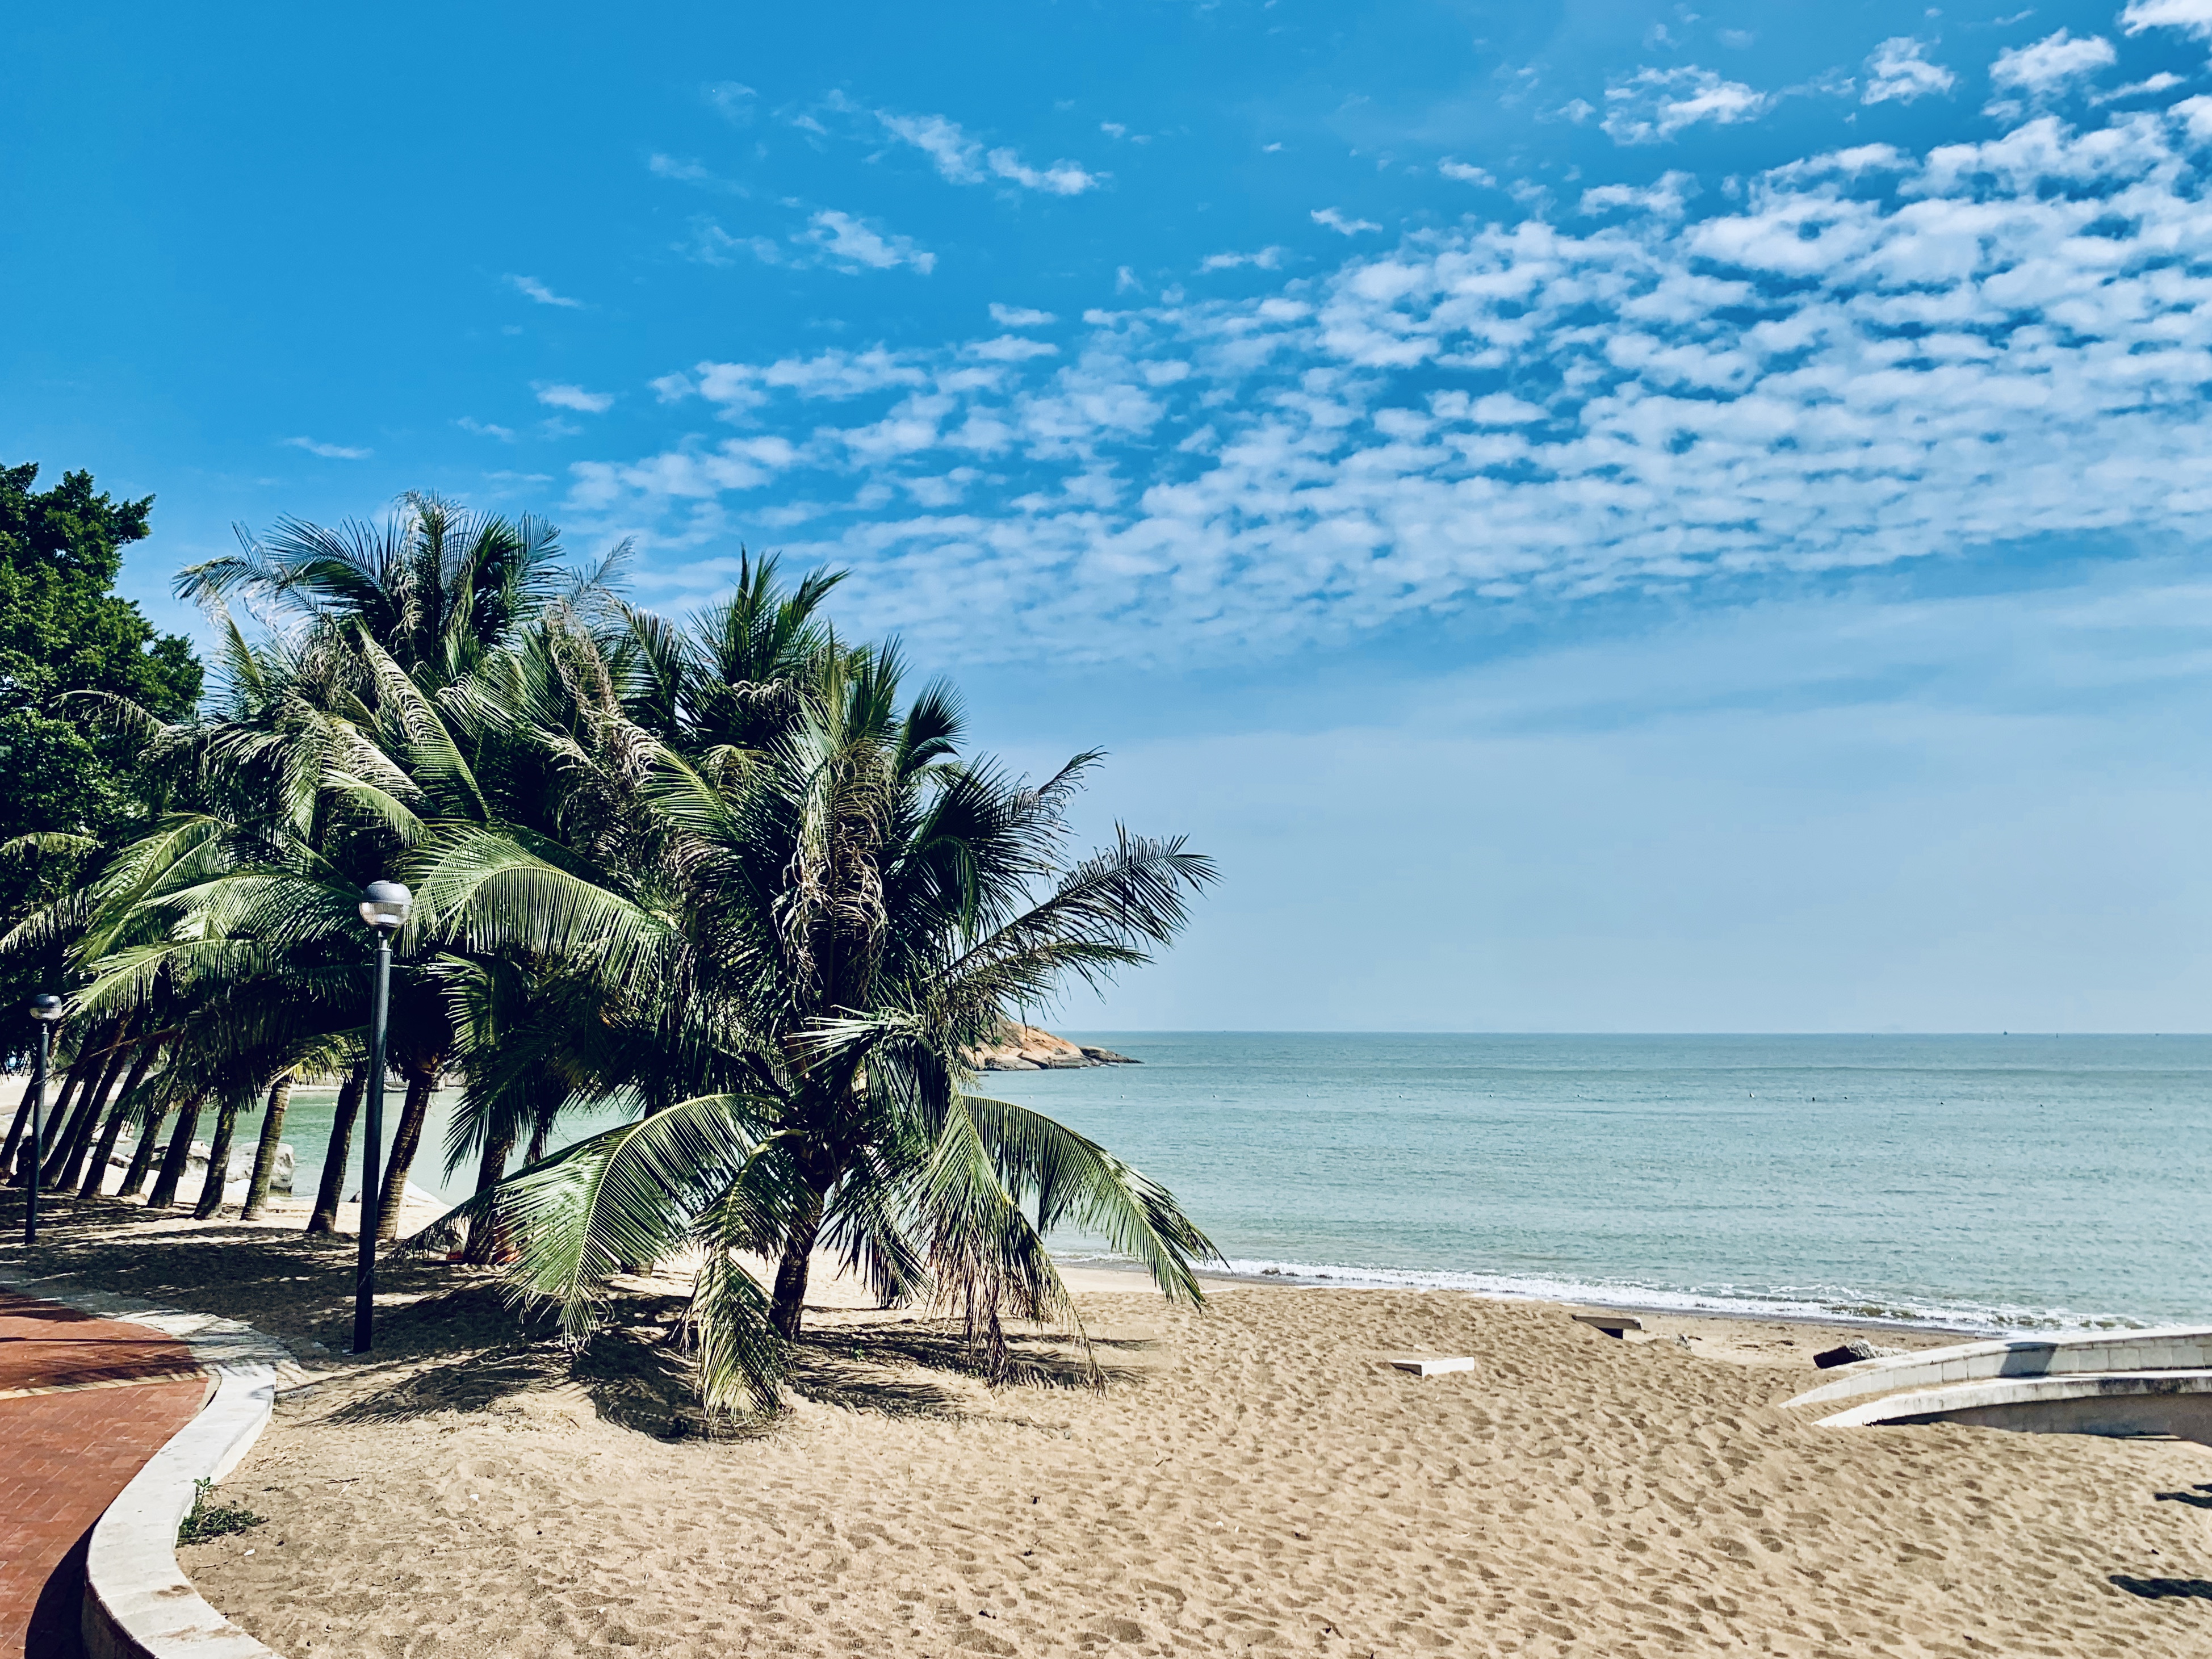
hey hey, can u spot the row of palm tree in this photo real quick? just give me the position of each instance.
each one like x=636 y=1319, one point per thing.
x=725 y=876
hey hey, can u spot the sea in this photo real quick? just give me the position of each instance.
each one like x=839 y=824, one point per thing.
x=1979 y=1183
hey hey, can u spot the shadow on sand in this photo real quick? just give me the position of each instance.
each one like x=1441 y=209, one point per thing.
x=2160 y=1590
x=448 y=1339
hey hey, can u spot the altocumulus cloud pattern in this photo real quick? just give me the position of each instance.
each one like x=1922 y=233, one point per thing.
x=1864 y=356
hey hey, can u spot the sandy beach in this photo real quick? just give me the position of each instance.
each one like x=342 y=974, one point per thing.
x=1252 y=1480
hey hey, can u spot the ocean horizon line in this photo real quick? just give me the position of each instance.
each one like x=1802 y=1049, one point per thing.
x=1763 y=1035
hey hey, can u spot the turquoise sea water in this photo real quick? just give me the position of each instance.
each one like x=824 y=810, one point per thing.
x=1987 y=1183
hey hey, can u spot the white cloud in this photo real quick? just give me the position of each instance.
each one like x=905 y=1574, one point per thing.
x=1267 y=258
x=1125 y=281
x=1665 y=198
x=2196 y=116
x=485 y=428
x=962 y=160
x=1465 y=173
x=957 y=156
x=1496 y=408
x=2194 y=16
x=531 y=288
x=691 y=474
x=1898 y=71
x=559 y=395
x=686 y=172
x=2042 y=68
x=1060 y=179
x=330 y=451
x=1867 y=357
x=1012 y=348
x=1651 y=106
x=2164 y=81
x=710 y=245
x=847 y=241
x=1342 y=226
x=733 y=101
x=835 y=374
x=1019 y=316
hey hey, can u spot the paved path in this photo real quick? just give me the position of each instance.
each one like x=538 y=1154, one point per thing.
x=83 y=1403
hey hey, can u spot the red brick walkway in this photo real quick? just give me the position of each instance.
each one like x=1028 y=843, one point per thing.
x=83 y=1403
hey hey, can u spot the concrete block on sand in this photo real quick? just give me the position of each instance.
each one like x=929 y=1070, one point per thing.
x=1422 y=1366
x=1612 y=1324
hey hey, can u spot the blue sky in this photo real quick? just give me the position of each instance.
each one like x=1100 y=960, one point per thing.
x=1603 y=516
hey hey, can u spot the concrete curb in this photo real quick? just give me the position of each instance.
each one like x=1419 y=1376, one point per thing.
x=2180 y=1347
x=2118 y=1404
x=137 y=1602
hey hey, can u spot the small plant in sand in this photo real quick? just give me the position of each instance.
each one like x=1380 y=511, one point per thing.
x=209 y=1520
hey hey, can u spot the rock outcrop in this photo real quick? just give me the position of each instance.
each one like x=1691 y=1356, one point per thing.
x=1026 y=1049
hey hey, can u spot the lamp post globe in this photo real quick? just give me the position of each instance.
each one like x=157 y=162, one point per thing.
x=384 y=904
x=45 y=1009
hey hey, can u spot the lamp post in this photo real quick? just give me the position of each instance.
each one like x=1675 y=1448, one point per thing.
x=46 y=1010
x=384 y=908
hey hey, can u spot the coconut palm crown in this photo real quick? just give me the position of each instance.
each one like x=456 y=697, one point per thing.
x=787 y=973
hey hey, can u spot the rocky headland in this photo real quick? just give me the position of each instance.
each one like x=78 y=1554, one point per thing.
x=1026 y=1049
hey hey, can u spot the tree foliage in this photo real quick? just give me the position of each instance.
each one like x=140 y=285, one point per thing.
x=71 y=787
x=728 y=874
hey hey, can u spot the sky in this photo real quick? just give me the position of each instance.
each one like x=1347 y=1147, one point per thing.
x=1601 y=517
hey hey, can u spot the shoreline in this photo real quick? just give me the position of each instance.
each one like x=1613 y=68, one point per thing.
x=1754 y=1338
x=1748 y=1313
x=286 y=1213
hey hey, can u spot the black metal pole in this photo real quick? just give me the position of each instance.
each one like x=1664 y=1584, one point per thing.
x=38 y=1116
x=372 y=1173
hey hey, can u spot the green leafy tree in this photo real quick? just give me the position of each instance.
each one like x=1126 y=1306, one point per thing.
x=73 y=788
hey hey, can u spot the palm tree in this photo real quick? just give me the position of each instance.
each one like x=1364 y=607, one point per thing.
x=439 y=585
x=722 y=875
x=802 y=945
x=392 y=617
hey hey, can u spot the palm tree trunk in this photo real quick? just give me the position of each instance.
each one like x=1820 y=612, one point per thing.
x=420 y=1087
x=134 y=1178
x=79 y=1069
x=265 y=1155
x=71 y=1154
x=225 y=1126
x=790 y=1305
x=484 y=1231
x=325 y=1218
x=15 y=1134
x=96 y=1173
x=540 y=1129
x=174 y=1160
x=54 y=1114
